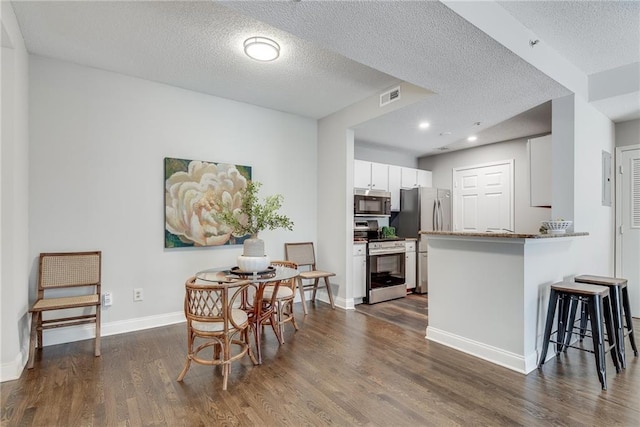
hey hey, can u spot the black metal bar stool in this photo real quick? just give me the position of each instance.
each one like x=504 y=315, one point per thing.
x=620 y=308
x=564 y=295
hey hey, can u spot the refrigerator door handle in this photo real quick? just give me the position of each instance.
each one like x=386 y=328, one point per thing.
x=440 y=216
x=434 y=218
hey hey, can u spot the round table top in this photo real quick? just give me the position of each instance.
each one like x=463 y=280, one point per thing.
x=230 y=274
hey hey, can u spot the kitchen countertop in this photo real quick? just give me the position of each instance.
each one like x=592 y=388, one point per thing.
x=502 y=235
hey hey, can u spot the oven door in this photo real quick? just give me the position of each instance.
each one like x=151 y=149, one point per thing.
x=385 y=277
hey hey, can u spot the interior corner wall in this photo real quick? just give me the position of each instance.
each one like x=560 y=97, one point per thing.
x=14 y=167
x=594 y=133
x=563 y=157
x=527 y=217
x=96 y=179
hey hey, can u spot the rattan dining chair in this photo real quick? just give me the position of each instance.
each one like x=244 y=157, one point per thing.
x=77 y=273
x=215 y=321
x=303 y=255
x=284 y=298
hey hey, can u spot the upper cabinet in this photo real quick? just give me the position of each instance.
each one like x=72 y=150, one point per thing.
x=378 y=176
x=370 y=175
x=412 y=178
x=540 y=170
x=395 y=175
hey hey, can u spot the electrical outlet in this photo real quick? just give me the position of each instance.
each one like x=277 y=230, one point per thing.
x=107 y=299
x=137 y=294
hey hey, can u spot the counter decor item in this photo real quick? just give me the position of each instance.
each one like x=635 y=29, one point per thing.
x=555 y=227
x=250 y=218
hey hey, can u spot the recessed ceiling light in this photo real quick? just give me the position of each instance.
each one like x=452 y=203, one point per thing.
x=424 y=125
x=472 y=138
x=261 y=49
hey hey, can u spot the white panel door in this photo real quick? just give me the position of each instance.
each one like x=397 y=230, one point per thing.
x=483 y=197
x=628 y=236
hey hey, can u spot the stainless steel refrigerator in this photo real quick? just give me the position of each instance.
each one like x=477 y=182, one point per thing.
x=423 y=209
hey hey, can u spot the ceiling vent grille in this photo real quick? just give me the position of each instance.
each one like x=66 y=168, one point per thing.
x=390 y=96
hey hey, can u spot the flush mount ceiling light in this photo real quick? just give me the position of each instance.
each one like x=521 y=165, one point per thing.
x=261 y=48
x=424 y=125
x=472 y=138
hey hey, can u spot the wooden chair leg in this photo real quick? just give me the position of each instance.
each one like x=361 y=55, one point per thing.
x=39 y=341
x=276 y=325
x=301 y=288
x=316 y=282
x=293 y=318
x=97 y=343
x=328 y=284
x=249 y=350
x=33 y=336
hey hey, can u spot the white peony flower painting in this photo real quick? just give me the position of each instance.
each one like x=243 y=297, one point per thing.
x=192 y=190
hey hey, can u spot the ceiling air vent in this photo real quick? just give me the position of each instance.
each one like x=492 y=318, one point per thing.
x=390 y=96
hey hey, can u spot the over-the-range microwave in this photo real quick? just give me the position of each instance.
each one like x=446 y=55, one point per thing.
x=371 y=203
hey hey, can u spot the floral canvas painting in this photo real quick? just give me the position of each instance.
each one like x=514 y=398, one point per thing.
x=192 y=191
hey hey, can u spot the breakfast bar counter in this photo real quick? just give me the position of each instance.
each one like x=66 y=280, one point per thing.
x=488 y=292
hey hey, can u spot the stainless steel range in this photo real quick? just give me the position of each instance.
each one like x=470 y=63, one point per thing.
x=385 y=270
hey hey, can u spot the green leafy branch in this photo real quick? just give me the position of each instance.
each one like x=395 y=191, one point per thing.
x=252 y=216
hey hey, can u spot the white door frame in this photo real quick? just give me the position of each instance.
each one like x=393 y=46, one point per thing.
x=454 y=197
x=618 y=239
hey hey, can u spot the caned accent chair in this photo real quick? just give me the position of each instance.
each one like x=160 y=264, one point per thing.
x=303 y=255
x=215 y=320
x=78 y=274
x=284 y=298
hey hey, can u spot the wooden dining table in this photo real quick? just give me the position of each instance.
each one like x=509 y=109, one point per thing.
x=257 y=308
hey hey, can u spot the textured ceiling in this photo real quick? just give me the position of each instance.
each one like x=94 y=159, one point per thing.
x=594 y=35
x=197 y=46
x=335 y=53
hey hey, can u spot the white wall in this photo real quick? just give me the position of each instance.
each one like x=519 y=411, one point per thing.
x=364 y=151
x=627 y=133
x=527 y=218
x=580 y=134
x=98 y=140
x=14 y=234
x=593 y=133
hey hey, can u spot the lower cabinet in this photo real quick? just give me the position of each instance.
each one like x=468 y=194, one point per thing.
x=410 y=264
x=359 y=270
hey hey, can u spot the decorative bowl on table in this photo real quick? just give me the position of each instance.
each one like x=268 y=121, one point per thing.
x=556 y=227
x=253 y=263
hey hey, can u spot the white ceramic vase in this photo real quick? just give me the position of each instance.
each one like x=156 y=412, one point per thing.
x=253 y=257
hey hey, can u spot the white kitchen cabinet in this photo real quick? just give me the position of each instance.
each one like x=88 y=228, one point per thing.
x=361 y=174
x=412 y=178
x=395 y=173
x=370 y=175
x=379 y=176
x=540 y=171
x=409 y=178
x=359 y=270
x=424 y=178
x=410 y=270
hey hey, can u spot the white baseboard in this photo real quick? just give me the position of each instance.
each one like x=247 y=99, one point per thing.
x=501 y=357
x=13 y=370
x=85 y=332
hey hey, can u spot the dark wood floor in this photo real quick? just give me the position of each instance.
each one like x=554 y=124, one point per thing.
x=342 y=368
x=408 y=313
